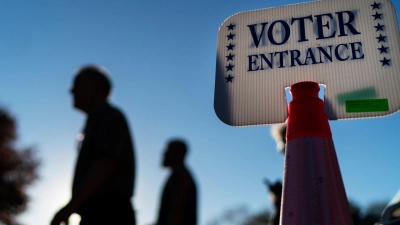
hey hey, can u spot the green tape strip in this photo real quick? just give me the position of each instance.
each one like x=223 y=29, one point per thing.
x=367 y=105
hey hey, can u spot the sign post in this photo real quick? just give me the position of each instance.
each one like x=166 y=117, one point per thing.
x=350 y=46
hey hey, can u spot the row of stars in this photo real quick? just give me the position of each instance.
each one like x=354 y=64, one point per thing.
x=381 y=38
x=229 y=57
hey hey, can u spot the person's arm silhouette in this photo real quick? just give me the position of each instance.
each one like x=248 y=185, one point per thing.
x=96 y=177
x=100 y=171
x=106 y=139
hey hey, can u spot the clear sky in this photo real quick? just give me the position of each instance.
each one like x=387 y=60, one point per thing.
x=161 y=57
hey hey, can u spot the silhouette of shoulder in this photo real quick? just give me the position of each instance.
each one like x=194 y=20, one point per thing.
x=109 y=130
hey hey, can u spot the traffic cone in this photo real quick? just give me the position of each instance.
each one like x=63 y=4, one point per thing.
x=313 y=190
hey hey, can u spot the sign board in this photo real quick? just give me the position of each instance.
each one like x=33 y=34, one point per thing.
x=350 y=46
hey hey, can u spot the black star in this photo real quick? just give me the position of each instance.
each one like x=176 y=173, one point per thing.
x=377 y=16
x=375 y=5
x=229 y=67
x=381 y=38
x=385 y=61
x=231 y=26
x=230 y=46
x=383 y=49
x=229 y=78
x=230 y=36
x=379 y=27
x=229 y=57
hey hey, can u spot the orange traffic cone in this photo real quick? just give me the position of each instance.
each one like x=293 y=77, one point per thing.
x=313 y=190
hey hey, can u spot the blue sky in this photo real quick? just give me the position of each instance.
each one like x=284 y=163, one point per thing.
x=161 y=57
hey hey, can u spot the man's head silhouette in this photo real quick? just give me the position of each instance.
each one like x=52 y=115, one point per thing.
x=91 y=86
x=174 y=155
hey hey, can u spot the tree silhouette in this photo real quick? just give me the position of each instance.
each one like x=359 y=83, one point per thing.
x=373 y=212
x=18 y=169
x=259 y=218
x=241 y=215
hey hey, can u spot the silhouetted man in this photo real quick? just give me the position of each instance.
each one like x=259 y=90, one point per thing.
x=179 y=198
x=278 y=132
x=105 y=170
x=275 y=193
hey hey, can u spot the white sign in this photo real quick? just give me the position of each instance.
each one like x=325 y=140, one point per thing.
x=351 y=46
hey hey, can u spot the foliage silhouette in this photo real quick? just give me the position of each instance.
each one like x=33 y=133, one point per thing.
x=18 y=169
x=240 y=215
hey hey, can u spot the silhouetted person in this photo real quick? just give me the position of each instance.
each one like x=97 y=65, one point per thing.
x=275 y=193
x=278 y=132
x=179 y=197
x=105 y=170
